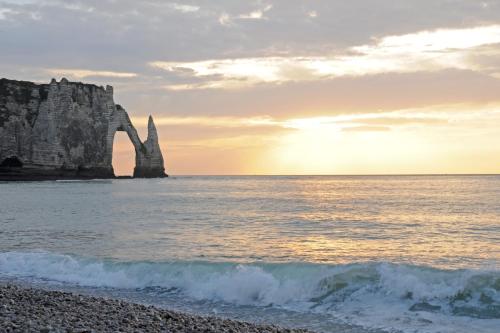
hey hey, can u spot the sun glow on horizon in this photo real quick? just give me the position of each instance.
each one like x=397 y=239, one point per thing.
x=420 y=140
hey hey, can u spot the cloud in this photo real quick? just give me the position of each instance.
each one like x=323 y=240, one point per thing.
x=312 y=14
x=366 y=129
x=84 y=73
x=256 y=14
x=377 y=93
x=184 y=8
x=230 y=122
x=438 y=115
x=442 y=115
x=77 y=6
x=226 y=19
x=421 y=51
x=5 y=12
x=127 y=34
x=404 y=120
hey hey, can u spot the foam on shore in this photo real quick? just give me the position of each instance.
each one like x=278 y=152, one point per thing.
x=382 y=295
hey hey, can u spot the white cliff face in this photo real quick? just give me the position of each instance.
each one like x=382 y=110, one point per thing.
x=66 y=130
x=151 y=162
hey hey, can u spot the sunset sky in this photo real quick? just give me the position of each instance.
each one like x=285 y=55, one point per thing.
x=280 y=87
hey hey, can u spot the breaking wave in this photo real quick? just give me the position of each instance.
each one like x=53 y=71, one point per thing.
x=338 y=289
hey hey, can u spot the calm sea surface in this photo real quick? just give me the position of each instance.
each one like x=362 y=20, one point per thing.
x=399 y=253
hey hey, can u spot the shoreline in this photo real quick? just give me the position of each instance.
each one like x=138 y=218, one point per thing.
x=28 y=309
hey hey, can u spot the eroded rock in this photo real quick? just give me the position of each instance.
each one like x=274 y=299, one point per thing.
x=66 y=130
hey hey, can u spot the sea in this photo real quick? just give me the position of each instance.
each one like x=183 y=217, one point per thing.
x=328 y=253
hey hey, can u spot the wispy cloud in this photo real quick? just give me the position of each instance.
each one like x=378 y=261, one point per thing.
x=421 y=51
x=366 y=129
x=184 y=8
x=4 y=13
x=439 y=115
x=312 y=14
x=224 y=19
x=228 y=122
x=256 y=14
x=444 y=115
x=84 y=73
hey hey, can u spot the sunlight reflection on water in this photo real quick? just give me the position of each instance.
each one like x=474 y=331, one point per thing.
x=441 y=221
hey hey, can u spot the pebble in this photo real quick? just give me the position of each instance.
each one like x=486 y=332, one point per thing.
x=42 y=311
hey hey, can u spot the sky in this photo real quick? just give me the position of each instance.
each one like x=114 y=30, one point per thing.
x=280 y=87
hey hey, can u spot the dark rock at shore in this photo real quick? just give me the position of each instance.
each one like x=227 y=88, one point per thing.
x=35 y=310
x=424 y=306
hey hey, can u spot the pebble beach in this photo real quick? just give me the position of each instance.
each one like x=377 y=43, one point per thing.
x=34 y=310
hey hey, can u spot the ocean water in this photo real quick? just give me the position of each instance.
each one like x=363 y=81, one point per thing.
x=329 y=253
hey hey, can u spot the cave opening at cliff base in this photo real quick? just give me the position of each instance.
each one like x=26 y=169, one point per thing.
x=123 y=155
x=11 y=162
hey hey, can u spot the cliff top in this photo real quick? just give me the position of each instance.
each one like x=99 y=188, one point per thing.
x=30 y=85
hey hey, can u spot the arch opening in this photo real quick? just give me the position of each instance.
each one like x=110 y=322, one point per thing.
x=123 y=158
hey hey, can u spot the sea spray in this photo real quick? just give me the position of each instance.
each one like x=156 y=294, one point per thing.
x=297 y=286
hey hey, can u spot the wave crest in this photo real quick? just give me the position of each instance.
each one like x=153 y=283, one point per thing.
x=302 y=287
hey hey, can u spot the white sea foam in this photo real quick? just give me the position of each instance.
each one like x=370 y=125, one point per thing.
x=379 y=295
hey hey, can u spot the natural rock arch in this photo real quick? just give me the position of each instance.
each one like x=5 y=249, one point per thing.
x=66 y=130
x=148 y=156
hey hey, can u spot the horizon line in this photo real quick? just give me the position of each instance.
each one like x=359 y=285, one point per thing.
x=332 y=175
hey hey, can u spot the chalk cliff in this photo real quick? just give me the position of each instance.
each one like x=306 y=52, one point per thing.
x=66 y=130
